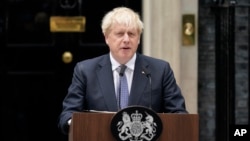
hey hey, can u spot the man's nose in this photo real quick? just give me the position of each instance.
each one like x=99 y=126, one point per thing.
x=126 y=37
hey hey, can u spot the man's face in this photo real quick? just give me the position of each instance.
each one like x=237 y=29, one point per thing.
x=123 y=42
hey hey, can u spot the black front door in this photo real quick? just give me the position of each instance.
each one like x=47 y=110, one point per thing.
x=34 y=75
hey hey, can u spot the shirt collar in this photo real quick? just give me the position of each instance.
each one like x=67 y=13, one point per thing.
x=130 y=64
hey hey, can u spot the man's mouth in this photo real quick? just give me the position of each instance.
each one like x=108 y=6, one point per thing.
x=125 y=48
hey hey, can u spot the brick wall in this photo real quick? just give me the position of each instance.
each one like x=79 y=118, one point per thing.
x=206 y=72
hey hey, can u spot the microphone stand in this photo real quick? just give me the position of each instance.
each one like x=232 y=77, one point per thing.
x=147 y=73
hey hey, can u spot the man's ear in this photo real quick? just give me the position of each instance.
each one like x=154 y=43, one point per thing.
x=107 y=42
x=106 y=39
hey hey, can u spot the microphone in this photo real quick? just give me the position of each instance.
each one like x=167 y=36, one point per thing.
x=122 y=70
x=147 y=73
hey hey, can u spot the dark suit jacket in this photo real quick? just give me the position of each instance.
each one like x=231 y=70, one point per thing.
x=92 y=88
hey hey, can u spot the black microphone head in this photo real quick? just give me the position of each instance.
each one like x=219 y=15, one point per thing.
x=122 y=70
x=145 y=71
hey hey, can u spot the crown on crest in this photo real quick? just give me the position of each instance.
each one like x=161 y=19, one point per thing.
x=136 y=116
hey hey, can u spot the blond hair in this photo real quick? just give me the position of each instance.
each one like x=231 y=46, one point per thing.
x=122 y=15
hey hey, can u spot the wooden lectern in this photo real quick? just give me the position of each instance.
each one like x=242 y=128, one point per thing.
x=92 y=126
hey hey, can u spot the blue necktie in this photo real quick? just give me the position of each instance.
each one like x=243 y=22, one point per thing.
x=123 y=89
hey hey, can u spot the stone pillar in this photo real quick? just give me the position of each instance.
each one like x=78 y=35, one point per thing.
x=162 y=38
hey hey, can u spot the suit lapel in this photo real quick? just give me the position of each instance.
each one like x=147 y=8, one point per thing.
x=139 y=83
x=105 y=77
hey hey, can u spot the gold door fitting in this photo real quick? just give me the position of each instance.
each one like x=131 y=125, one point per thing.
x=188 y=29
x=67 y=57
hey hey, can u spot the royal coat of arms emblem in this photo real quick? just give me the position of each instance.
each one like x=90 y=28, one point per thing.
x=136 y=124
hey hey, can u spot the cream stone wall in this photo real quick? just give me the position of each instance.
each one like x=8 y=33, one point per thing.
x=162 y=38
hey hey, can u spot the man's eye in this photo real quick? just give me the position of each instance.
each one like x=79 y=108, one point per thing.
x=119 y=34
x=131 y=34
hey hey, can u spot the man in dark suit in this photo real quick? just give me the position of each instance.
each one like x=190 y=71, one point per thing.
x=151 y=81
